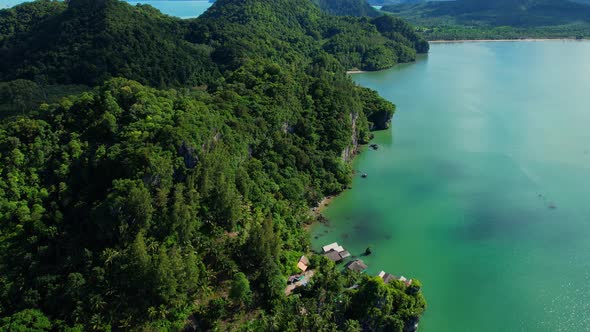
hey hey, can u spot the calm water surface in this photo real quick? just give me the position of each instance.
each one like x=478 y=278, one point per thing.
x=182 y=9
x=481 y=187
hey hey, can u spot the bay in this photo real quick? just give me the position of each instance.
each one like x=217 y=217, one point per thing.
x=480 y=188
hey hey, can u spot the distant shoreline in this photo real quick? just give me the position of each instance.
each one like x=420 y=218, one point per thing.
x=355 y=72
x=502 y=40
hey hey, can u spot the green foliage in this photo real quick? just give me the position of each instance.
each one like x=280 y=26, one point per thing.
x=240 y=291
x=457 y=32
x=374 y=44
x=127 y=207
x=386 y=307
x=347 y=7
x=130 y=185
x=331 y=303
x=352 y=326
x=21 y=96
x=378 y=110
x=26 y=17
x=92 y=41
x=26 y=320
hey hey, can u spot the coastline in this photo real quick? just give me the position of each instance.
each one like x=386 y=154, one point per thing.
x=351 y=72
x=324 y=203
x=316 y=212
x=500 y=40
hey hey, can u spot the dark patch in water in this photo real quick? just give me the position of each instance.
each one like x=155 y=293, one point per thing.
x=420 y=189
x=449 y=170
x=490 y=221
x=345 y=235
x=505 y=220
x=368 y=227
x=358 y=227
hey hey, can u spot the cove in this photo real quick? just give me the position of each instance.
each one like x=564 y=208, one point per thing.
x=481 y=187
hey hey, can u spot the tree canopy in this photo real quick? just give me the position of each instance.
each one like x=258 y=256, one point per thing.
x=347 y=7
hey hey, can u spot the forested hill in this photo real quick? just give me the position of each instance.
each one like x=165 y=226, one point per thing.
x=301 y=28
x=346 y=7
x=179 y=201
x=498 y=19
x=90 y=41
x=515 y=13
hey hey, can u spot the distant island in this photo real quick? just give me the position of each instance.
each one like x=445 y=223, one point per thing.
x=498 y=19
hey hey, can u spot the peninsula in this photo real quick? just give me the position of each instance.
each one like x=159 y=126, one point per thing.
x=157 y=173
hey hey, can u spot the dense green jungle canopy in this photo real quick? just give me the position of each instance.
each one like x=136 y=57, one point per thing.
x=157 y=173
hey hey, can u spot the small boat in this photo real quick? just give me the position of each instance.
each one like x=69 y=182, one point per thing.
x=364 y=175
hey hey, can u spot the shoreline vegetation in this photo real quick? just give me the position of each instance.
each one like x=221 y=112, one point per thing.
x=503 y=40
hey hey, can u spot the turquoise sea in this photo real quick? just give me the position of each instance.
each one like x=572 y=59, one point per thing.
x=481 y=187
x=182 y=9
